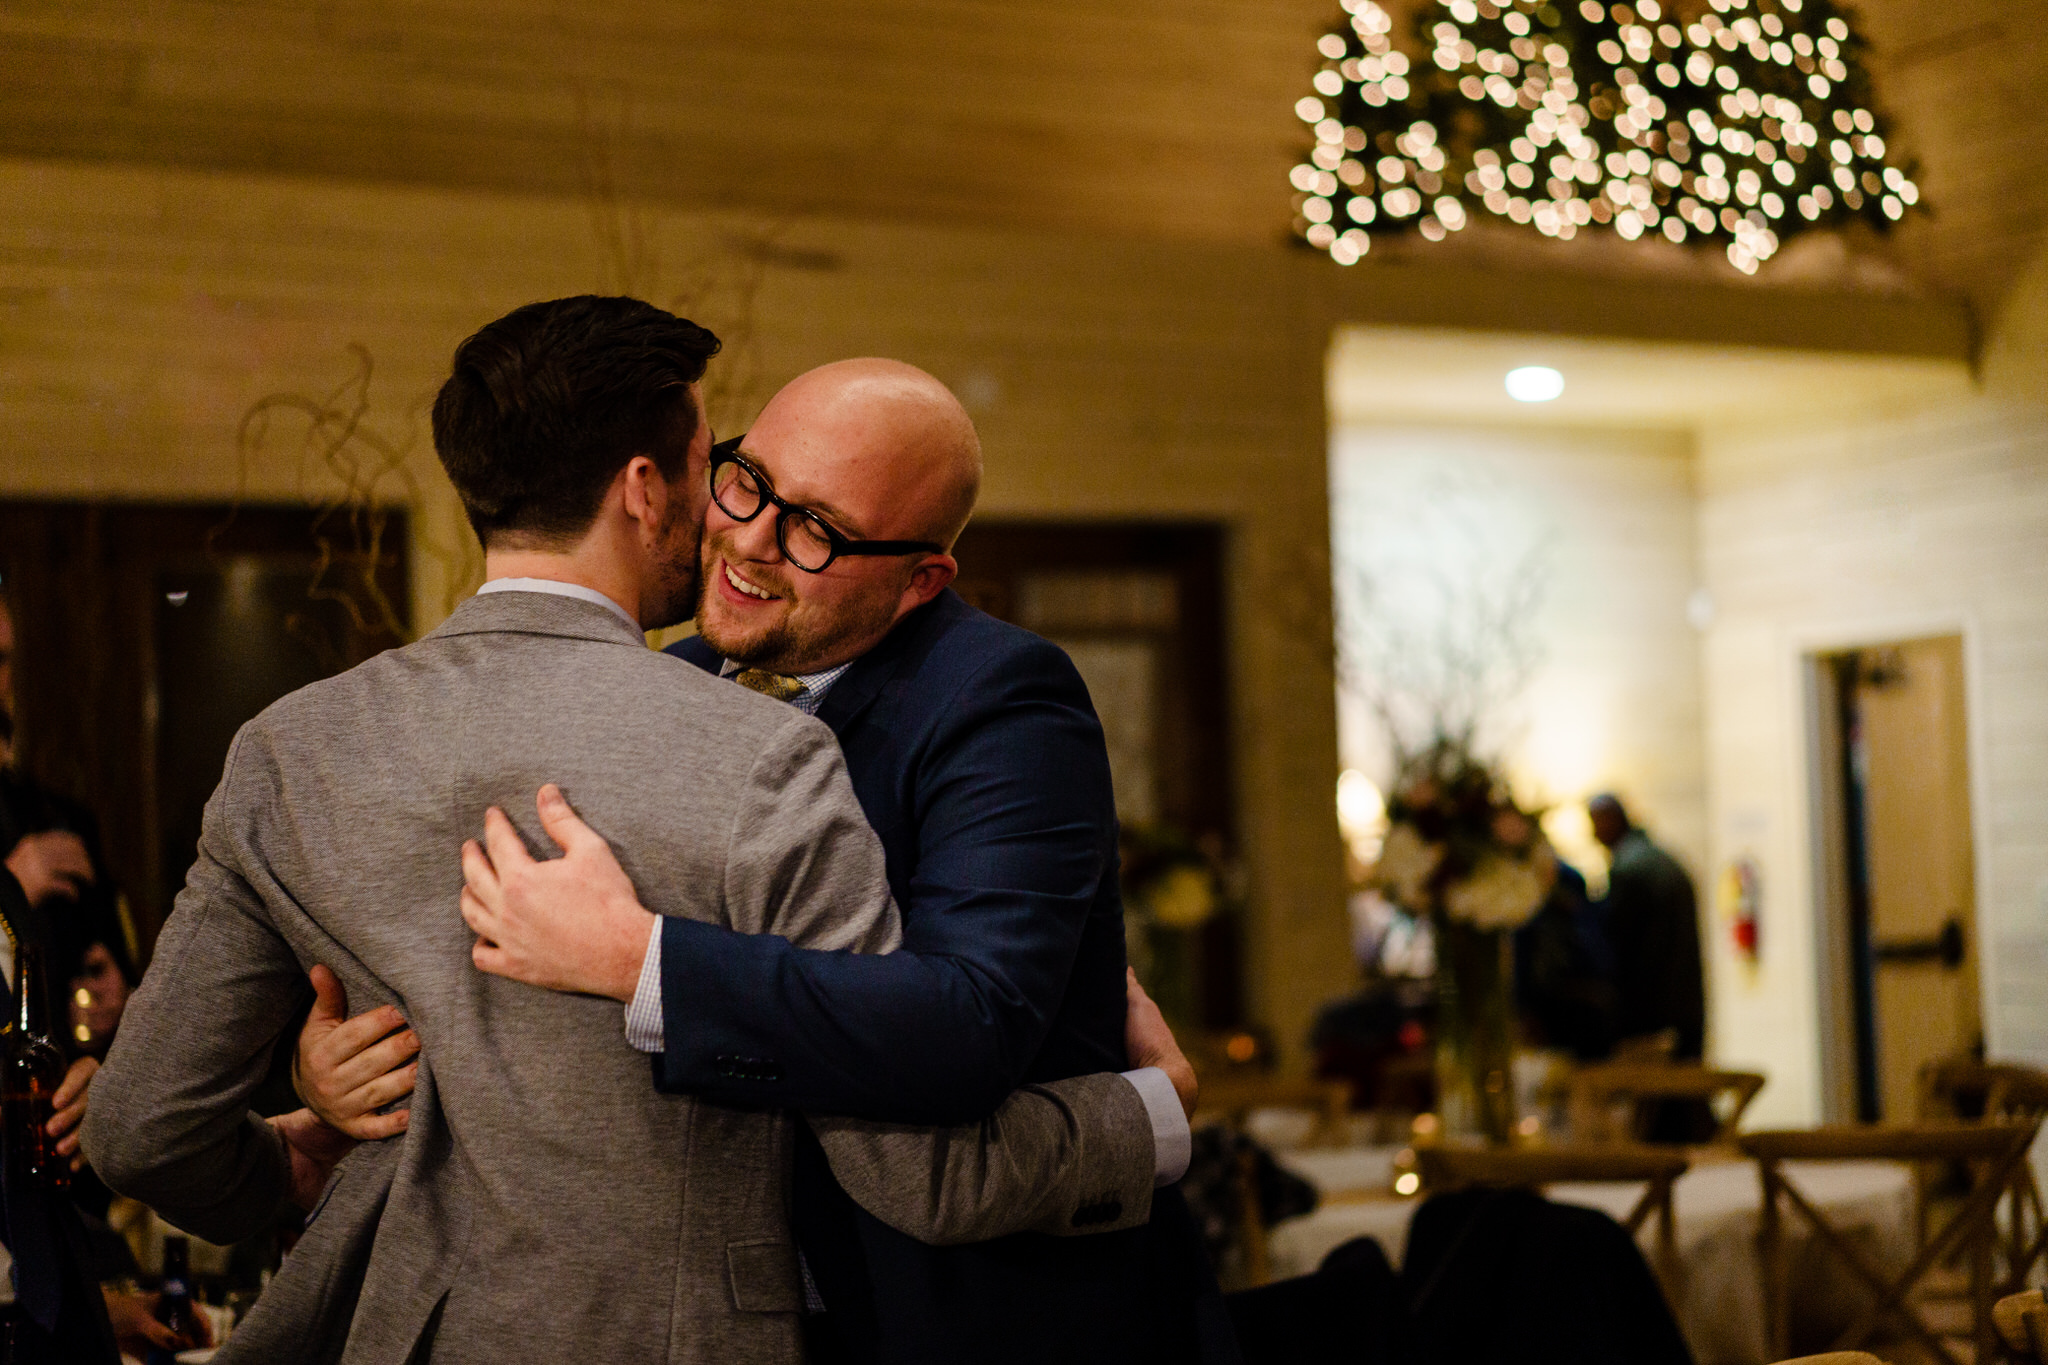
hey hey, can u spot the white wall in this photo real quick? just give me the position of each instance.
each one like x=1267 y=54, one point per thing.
x=1863 y=532
x=1805 y=536
x=1615 y=703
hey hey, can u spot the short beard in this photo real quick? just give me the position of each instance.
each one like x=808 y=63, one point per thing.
x=791 y=644
x=677 y=588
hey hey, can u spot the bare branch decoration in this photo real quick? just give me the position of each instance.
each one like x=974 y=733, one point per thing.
x=1438 y=628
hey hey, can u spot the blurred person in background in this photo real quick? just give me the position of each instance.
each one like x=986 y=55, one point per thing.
x=1653 y=916
x=1379 y=1039
x=55 y=895
x=1564 y=971
x=51 y=1308
x=51 y=845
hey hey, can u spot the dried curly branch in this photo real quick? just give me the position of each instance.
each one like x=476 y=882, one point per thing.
x=368 y=479
x=1438 y=643
x=369 y=469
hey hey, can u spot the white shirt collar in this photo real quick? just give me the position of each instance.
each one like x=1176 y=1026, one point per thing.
x=560 y=589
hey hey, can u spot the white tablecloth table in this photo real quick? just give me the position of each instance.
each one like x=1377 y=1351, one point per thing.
x=1718 y=1296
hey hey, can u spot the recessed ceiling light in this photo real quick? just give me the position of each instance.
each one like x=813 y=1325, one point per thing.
x=1534 y=384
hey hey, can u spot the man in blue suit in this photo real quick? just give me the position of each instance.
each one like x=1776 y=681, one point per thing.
x=978 y=759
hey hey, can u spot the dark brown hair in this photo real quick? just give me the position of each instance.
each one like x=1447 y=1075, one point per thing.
x=547 y=404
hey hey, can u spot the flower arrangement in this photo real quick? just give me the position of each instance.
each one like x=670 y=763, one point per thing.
x=1460 y=852
x=1457 y=844
x=1439 y=610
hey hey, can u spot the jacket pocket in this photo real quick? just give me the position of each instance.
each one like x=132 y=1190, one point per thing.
x=765 y=1278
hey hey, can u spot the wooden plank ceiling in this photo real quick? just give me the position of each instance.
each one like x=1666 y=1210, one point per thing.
x=1132 y=117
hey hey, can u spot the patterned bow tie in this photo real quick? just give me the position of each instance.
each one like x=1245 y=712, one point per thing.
x=780 y=686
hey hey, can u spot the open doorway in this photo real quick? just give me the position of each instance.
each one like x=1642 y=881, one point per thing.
x=1892 y=789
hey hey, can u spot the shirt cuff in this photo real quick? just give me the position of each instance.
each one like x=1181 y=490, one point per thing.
x=643 y=1013
x=1172 y=1143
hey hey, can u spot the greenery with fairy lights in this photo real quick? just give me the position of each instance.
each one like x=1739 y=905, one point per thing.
x=1741 y=121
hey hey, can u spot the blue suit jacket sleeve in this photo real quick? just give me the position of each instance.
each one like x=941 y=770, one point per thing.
x=1009 y=796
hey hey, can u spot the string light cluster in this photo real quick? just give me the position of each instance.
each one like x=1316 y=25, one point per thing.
x=1740 y=121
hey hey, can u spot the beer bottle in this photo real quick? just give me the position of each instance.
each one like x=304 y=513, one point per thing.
x=174 y=1301
x=34 y=1073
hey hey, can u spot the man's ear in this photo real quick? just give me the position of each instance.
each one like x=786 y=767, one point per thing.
x=927 y=581
x=645 y=492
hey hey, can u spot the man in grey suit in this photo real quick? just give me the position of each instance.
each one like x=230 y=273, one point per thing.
x=543 y=1201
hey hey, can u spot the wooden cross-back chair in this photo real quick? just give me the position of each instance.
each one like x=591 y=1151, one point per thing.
x=1992 y=1153
x=1599 y=1090
x=2022 y=1323
x=1960 y=1088
x=1658 y=1168
x=1989 y=1092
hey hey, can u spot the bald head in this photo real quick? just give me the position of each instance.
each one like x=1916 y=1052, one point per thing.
x=900 y=434
x=880 y=452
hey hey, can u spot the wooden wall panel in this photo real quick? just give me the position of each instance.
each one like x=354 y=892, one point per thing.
x=1113 y=380
x=1120 y=117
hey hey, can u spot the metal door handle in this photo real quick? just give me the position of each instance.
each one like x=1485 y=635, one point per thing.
x=1946 y=948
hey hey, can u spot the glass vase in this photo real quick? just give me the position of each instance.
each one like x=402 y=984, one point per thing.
x=1475 y=986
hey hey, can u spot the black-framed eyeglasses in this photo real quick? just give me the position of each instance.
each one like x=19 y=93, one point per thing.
x=808 y=541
